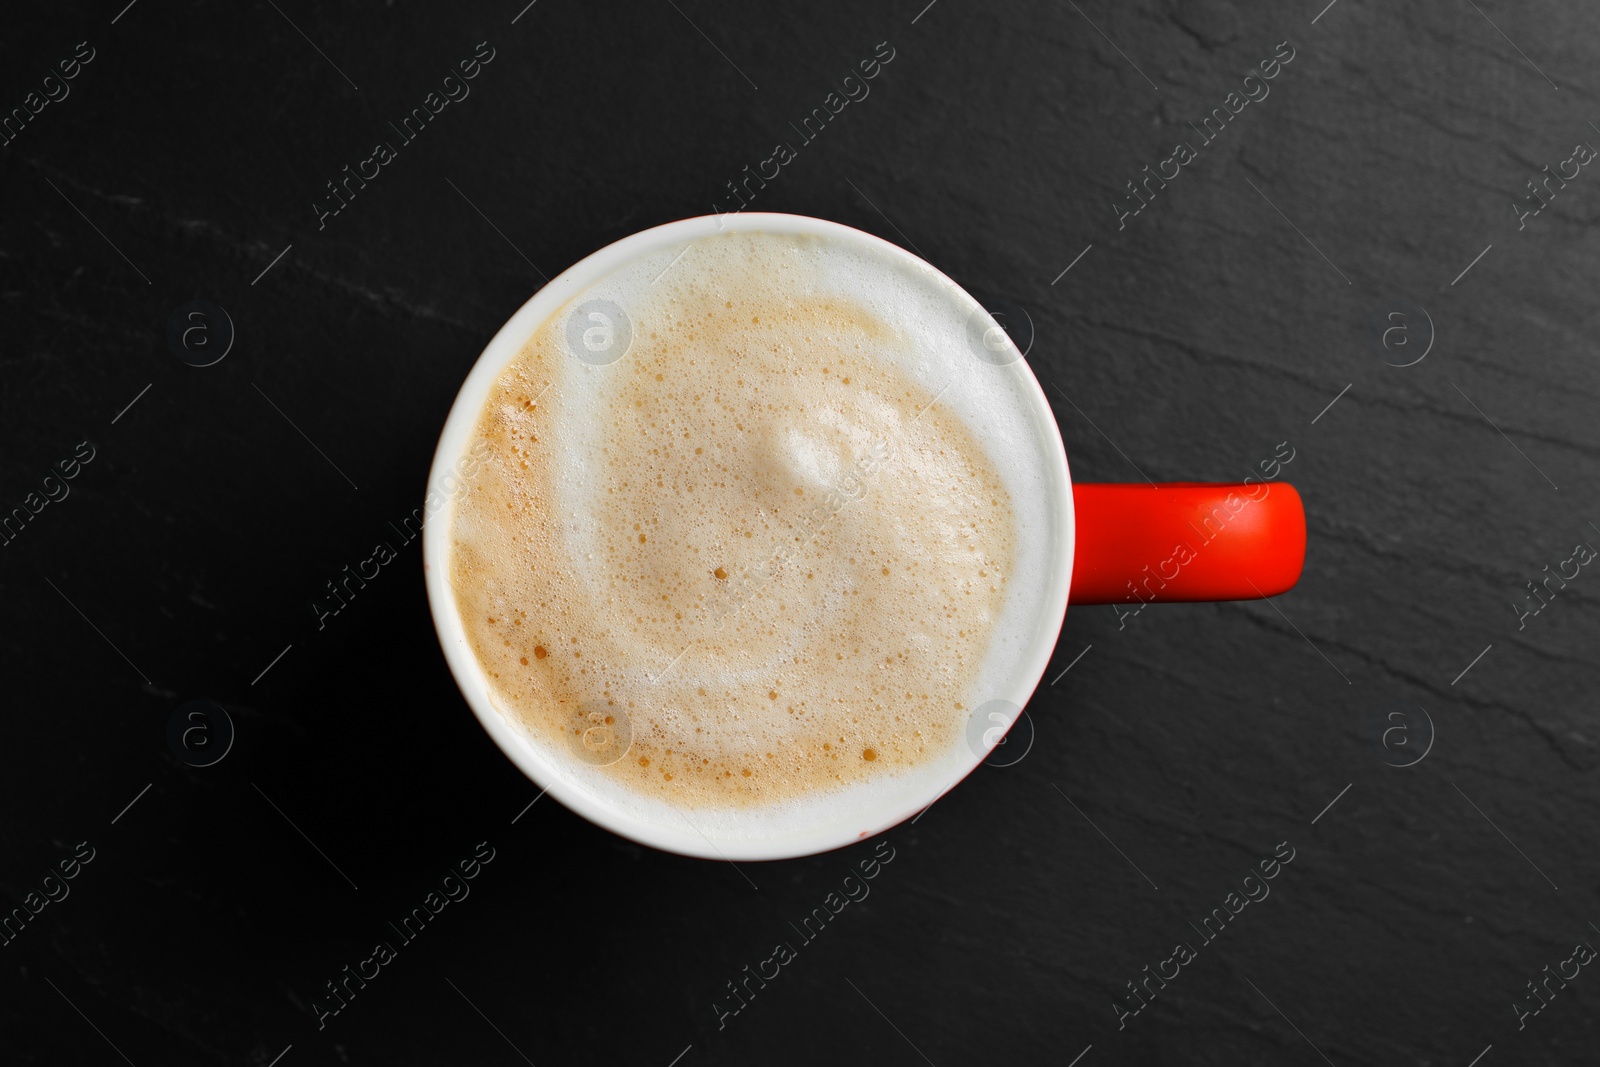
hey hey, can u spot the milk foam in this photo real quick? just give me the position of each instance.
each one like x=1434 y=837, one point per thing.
x=774 y=555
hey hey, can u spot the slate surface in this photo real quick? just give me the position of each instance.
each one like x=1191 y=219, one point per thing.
x=1379 y=176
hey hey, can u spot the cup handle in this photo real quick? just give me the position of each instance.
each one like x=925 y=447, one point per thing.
x=1186 y=541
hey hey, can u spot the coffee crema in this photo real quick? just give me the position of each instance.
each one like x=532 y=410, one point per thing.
x=757 y=557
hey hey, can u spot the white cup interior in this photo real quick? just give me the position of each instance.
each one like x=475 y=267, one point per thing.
x=877 y=809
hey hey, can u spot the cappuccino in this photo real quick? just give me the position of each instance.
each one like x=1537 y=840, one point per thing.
x=746 y=533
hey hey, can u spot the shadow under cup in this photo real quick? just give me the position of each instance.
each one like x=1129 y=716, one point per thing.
x=1009 y=675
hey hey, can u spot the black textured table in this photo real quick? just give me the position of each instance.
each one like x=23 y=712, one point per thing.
x=1360 y=234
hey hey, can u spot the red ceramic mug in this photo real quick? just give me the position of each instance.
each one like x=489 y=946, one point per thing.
x=1104 y=543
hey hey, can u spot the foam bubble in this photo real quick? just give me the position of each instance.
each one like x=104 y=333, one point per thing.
x=779 y=538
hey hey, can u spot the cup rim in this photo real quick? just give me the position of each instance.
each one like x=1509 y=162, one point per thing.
x=470 y=677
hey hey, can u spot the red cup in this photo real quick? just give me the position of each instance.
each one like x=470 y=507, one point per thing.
x=1099 y=544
